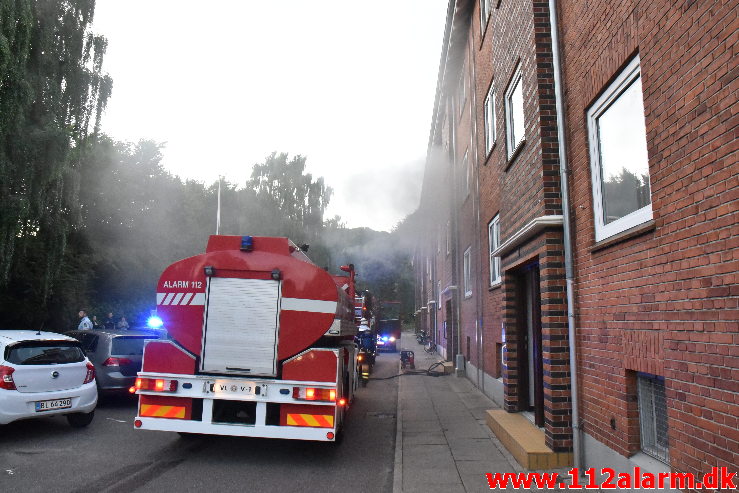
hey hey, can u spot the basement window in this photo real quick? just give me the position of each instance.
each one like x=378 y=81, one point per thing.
x=618 y=156
x=653 y=416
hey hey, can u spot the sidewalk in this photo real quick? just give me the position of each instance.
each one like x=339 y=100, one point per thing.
x=442 y=442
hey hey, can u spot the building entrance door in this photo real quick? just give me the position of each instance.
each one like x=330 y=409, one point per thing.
x=449 y=328
x=531 y=370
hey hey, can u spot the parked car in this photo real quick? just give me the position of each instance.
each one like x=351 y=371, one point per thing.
x=116 y=354
x=44 y=373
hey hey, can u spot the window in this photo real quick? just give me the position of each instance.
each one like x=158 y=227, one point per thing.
x=438 y=290
x=653 y=416
x=489 y=120
x=467 y=174
x=448 y=237
x=428 y=267
x=494 y=243
x=515 y=128
x=484 y=14
x=618 y=156
x=467 y=273
x=462 y=91
x=44 y=353
x=89 y=341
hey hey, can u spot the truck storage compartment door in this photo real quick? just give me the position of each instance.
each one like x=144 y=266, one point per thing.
x=241 y=326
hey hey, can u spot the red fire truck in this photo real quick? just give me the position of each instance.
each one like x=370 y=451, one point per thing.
x=260 y=344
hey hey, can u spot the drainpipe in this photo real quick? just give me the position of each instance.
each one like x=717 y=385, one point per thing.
x=479 y=332
x=569 y=271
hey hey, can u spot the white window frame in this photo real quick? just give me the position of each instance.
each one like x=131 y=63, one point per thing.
x=438 y=290
x=516 y=81
x=467 y=264
x=467 y=173
x=485 y=8
x=602 y=231
x=462 y=90
x=493 y=244
x=490 y=130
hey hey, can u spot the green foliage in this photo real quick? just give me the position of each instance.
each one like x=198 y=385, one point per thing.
x=624 y=193
x=52 y=92
x=290 y=197
x=138 y=219
x=90 y=223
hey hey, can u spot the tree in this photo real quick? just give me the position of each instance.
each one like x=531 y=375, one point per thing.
x=292 y=202
x=52 y=93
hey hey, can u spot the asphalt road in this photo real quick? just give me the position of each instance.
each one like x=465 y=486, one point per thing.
x=46 y=455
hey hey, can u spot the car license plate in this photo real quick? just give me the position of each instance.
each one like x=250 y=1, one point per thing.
x=232 y=387
x=52 y=405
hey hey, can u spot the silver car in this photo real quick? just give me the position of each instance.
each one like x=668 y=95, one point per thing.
x=44 y=373
x=116 y=355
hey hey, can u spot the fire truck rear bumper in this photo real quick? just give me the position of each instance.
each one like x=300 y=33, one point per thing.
x=230 y=429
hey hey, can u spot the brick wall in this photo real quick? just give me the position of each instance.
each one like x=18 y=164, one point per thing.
x=666 y=301
x=519 y=190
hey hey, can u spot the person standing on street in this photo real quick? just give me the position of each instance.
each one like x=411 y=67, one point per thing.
x=109 y=323
x=95 y=323
x=123 y=324
x=85 y=323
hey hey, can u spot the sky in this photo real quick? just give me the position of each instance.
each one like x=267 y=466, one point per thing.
x=349 y=84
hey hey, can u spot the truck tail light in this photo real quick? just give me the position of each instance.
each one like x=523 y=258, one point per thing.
x=312 y=394
x=6 y=378
x=90 y=373
x=156 y=384
x=117 y=361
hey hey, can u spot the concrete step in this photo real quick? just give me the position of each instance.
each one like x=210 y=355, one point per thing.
x=525 y=441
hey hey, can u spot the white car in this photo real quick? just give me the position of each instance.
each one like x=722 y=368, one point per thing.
x=42 y=374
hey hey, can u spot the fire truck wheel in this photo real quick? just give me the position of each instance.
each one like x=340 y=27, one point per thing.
x=339 y=438
x=188 y=436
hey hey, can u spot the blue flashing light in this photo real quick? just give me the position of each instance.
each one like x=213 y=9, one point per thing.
x=247 y=243
x=384 y=338
x=154 y=322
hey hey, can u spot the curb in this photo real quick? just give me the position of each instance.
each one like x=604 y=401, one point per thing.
x=398 y=467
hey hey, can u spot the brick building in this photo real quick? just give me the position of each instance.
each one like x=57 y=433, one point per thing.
x=647 y=137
